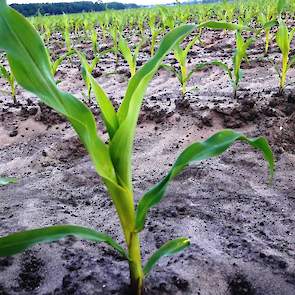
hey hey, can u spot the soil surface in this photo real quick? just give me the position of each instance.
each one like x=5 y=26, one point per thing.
x=242 y=229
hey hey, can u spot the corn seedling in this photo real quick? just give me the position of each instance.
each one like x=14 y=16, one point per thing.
x=66 y=34
x=183 y=74
x=167 y=19
x=284 y=38
x=94 y=41
x=114 y=34
x=127 y=54
x=112 y=160
x=235 y=73
x=103 y=22
x=55 y=64
x=87 y=69
x=155 y=32
x=267 y=22
x=9 y=77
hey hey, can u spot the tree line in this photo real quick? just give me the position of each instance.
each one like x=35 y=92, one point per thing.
x=32 y=9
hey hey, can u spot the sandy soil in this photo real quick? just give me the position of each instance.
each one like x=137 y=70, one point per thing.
x=241 y=228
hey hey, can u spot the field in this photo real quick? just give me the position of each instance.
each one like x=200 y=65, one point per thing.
x=240 y=223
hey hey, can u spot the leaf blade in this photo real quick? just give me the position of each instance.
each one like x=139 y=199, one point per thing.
x=122 y=143
x=168 y=249
x=7 y=180
x=212 y=147
x=20 y=241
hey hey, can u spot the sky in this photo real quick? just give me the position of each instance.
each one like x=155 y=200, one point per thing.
x=145 y=2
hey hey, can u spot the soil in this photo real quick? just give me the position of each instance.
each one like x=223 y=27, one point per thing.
x=242 y=228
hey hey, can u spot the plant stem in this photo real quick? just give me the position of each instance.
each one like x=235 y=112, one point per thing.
x=235 y=92
x=136 y=271
x=284 y=73
x=184 y=78
x=267 y=32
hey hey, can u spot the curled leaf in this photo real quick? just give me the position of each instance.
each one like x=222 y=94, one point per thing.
x=212 y=147
x=168 y=249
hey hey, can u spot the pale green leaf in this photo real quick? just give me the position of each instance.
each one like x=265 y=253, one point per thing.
x=168 y=249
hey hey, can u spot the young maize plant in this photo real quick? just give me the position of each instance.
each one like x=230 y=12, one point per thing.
x=94 y=41
x=155 y=32
x=103 y=23
x=113 y=30
x=284 y=38
x=140 y=25
x=87 y=69
x=55 y=64
x=183 y=74
x=66 y=34
x=9 y=77
x=130 y=58
x=240 y=54
x=266 y=20
x=168 y=20
x=46 y=31
x=30 y=64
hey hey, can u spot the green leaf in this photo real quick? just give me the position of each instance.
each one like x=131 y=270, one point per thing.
x=122 y=143
x=4 y=73
x=190 y=45
x=282 y=38
x=168 y=249
x=6 y=180
x=126 y=52
x=30 y=64
x=223 y=26
x=270 y=24
x=18 y=242
x=108 y=112
x=220 y=64
x=58 y=61
x=212 y=147
x=172 y=70
x=281 y=5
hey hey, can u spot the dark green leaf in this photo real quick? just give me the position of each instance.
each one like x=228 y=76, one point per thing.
x=18 y=242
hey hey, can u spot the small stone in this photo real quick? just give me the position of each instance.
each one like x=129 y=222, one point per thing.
x=207 y=118
x=13 y=133
x=177 y=118
x=33 y=111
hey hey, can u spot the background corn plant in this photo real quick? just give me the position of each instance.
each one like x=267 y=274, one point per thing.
x=129 y=57
x=30 y=64
x=234 y=72
x=9 y=77
x=284 y=38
